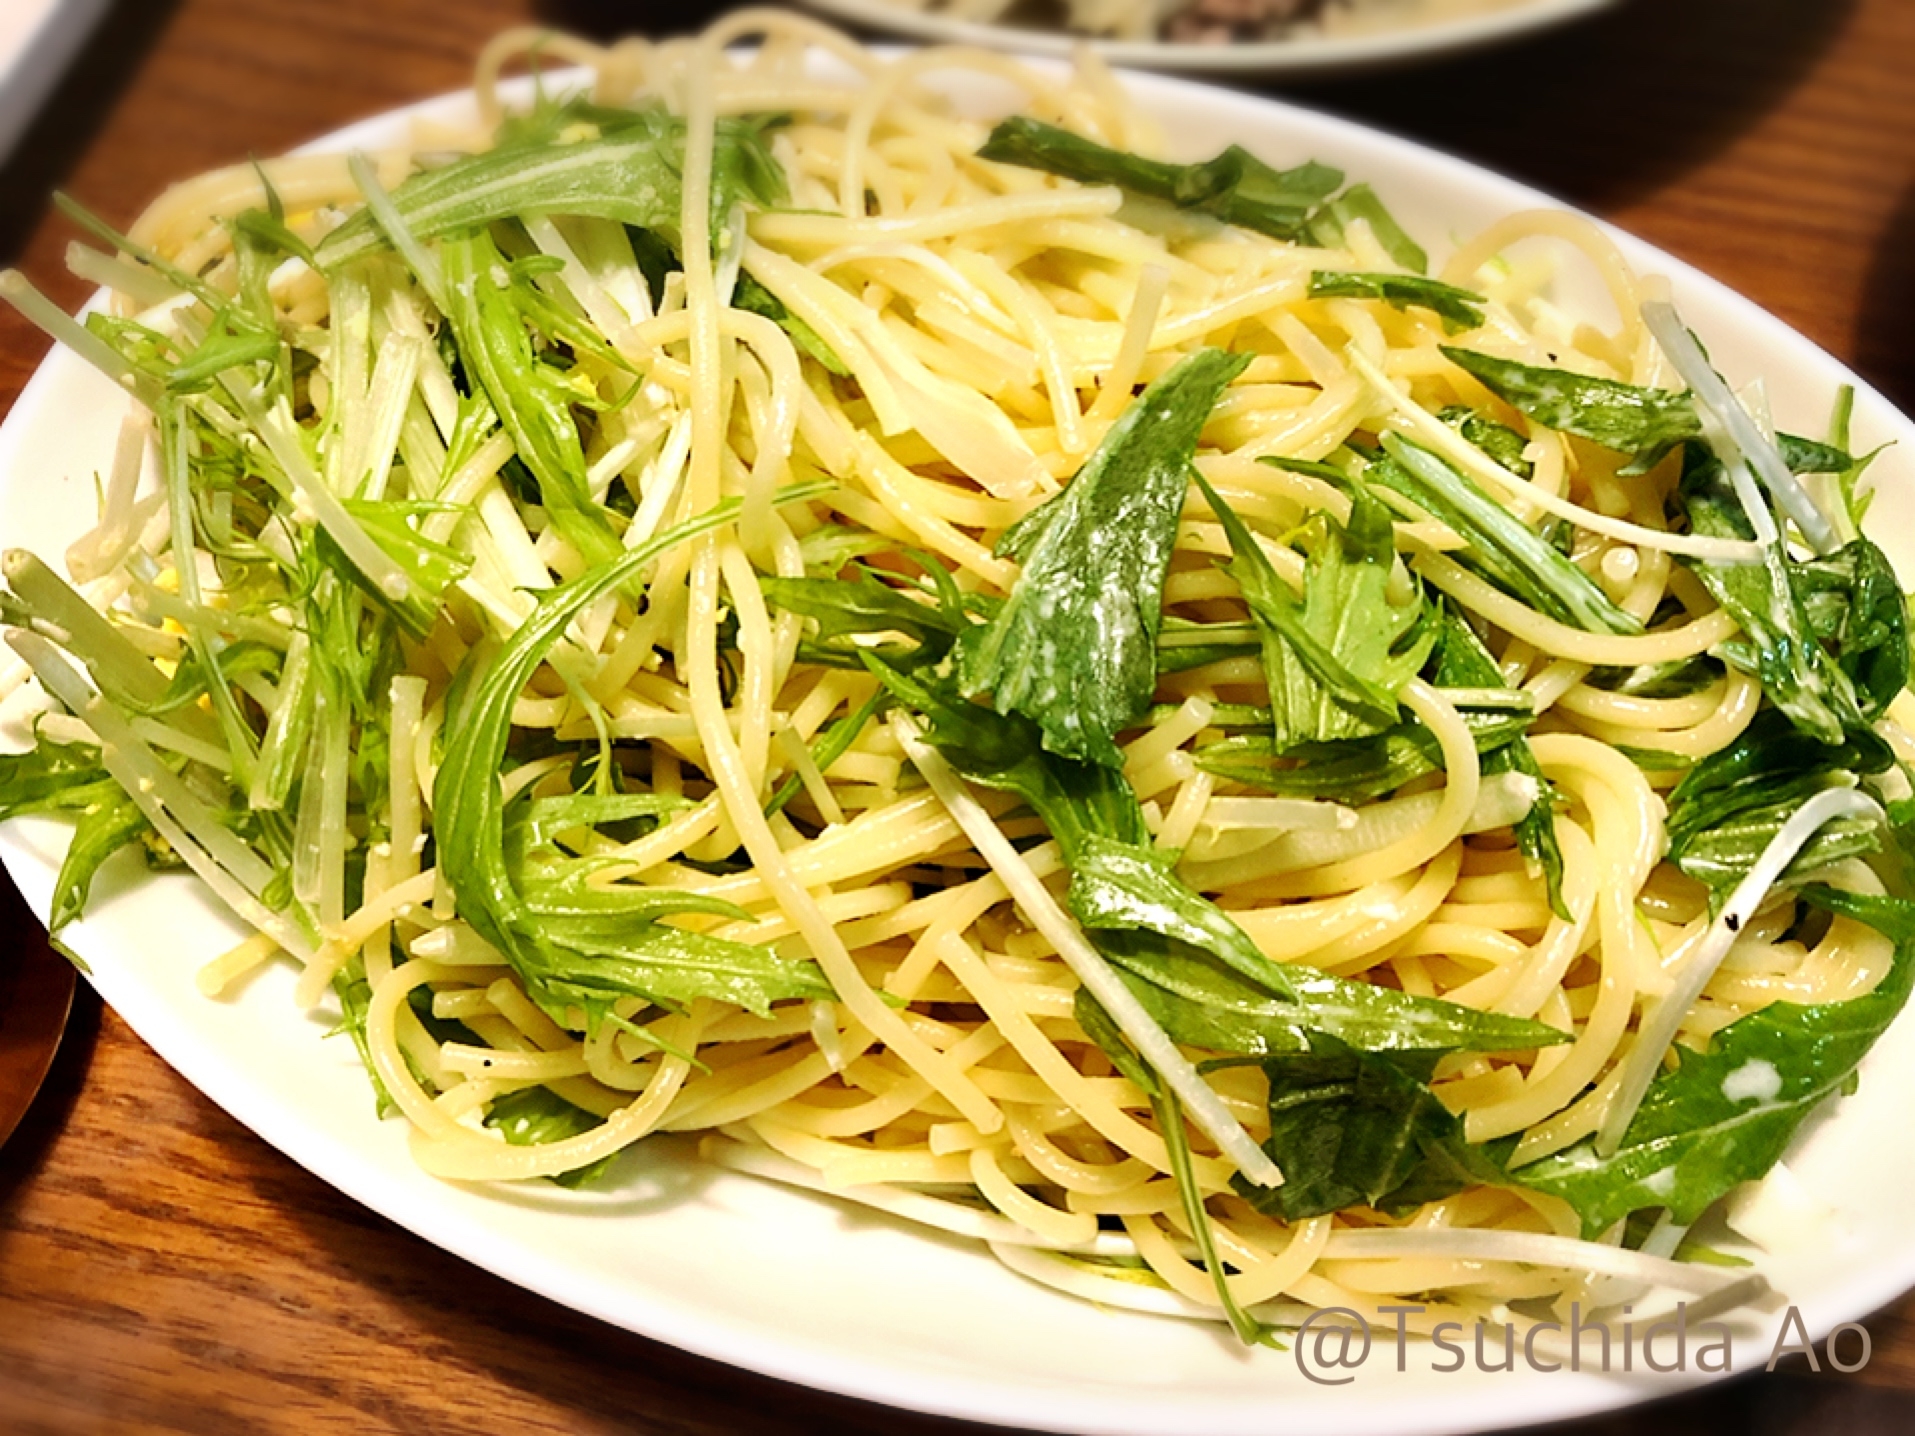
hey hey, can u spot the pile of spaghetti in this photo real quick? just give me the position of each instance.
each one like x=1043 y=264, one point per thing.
x=1083 y=700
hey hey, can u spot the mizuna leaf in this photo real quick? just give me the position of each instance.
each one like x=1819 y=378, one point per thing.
x=1724 y=1117
x=1457 y=308
x=1155 y=927
x=1235 y=187
x=581 y=959
x=1074 y=647
x=1337 y=656
x=1645 y=423
x=1362 y=1129
x=631 y=173
x=1503 y=547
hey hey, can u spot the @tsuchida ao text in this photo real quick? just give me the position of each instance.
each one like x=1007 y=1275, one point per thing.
x=1334 y=1343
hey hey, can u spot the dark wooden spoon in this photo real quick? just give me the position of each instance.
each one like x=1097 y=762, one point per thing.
x=36 y=994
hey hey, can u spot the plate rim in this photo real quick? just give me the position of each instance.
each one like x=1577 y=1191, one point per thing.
x=784 y=1356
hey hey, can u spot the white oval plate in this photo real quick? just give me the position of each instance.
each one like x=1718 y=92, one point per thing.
x=1317 y=57
x=830 y=1296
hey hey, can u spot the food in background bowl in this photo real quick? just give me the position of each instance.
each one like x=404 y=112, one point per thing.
x=1214 y=22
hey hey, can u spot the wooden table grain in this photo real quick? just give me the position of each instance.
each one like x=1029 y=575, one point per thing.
x=163 y=1270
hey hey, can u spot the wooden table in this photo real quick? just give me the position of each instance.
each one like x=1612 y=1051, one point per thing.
x=162 y=1269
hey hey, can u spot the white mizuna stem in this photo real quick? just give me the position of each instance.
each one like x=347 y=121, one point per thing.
x=17 y=290
x=1055 y=1269
x=102 y=547
x=225 y=864
x=1208 y=634
x=659 y=481
x=1501 y=802
x=603 y=308
x=134 y=765
x=1506 y=700
x=319 y=836
x=456 y=945
x=1423 y=426
x=1659 y=1029
x=109 y=655
x=1206 y=1108
x=408 y=693
x=1529 y=1248
x=1713 y=396
x=312 y=499
x=1282 y=814
x=143 y=286
x=1750 y=497
x=394 y=375
x=423 y=262
x=952 y=1217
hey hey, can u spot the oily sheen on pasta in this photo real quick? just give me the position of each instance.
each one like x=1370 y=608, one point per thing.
x=1065 y=691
